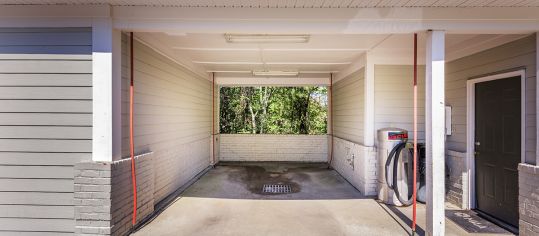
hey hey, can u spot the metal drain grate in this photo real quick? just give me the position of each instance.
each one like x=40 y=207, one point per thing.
x=276 y=188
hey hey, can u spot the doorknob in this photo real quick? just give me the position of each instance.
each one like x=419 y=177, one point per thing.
x=477 y=144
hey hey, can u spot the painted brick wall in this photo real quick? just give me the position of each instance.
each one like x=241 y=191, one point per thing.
x=104 y=195
x=457 y=181
x=528 y=199
x=263 y=147
x=357 y=164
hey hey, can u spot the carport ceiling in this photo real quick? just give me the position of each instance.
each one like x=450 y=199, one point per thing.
x=292 y=3
x=323 y=53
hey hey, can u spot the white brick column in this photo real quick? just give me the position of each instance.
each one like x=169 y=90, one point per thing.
x=435 y=132
x=106 y=82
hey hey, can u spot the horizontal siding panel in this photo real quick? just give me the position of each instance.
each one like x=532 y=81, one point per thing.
x=42 y=159
x=45 y=145
x=46 y=225
x=37 y=185
x=60 y=50
x=348 y=107
x=26 y=211
x=45 y=126
x=37 y=172
x=80 y=93
x=52 y=119
x=45 y=132
x=394 y=97
x=53 y=80
x=46 y=106
x=45 y=66
x=36 y=198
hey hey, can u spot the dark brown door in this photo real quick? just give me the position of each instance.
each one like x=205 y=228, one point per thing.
x=497 y=136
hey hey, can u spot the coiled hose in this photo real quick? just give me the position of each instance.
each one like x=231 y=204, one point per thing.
x=394 y=156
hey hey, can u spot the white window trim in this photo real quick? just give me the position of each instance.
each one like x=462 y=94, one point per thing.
x=470 y=198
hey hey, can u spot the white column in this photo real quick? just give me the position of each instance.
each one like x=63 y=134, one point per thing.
x=369 y=102
x=435 y=132
x=106 y=82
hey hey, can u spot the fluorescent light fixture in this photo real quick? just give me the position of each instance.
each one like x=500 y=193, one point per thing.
x=275 y=73
x=267 y=38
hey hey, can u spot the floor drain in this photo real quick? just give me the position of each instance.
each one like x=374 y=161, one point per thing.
x=276 y=188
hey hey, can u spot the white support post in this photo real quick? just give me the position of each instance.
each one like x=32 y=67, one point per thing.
x=369 y=102
x=106 y=82
x=435 y=132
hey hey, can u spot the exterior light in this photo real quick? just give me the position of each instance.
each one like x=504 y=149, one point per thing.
x=275 y=73
x=267 y=38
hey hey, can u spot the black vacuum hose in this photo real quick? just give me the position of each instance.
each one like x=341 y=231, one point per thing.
x=394 y=156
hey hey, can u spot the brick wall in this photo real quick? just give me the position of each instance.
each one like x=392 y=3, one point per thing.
x=357 y=164
x=457 y=181
x=104 y=195
x=528 y=199
x=265 y=147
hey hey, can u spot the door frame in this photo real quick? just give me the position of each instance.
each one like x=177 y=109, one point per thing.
x=469 y=194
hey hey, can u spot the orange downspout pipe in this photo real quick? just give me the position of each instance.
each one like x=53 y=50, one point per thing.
x=331 y=113
x=131 y=139
x=213 y=117
x=414 y=196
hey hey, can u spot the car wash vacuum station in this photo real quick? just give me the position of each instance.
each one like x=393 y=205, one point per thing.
x=395 y=173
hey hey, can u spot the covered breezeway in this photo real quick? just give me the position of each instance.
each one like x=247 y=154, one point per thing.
x=130 y=107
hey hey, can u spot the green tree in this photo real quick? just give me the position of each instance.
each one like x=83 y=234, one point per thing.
x=273 y=110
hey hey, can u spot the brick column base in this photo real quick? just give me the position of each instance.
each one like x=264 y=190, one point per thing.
x=528 y=199
x=103 y=195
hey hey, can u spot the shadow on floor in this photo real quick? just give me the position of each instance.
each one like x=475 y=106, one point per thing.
x=403 y=220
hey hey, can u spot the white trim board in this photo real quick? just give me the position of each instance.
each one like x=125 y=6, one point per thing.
x=470 y=198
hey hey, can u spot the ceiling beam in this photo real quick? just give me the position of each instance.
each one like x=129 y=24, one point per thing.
x=327 y=21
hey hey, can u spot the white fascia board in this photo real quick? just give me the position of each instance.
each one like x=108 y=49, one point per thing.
x=336 y=21
x=51 y=16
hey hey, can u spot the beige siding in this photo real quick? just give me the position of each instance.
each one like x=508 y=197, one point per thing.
x=173 y=110
x=348 y=107
x=519 y=54
x=393 y=98
x=45 y=125
x=269 y=147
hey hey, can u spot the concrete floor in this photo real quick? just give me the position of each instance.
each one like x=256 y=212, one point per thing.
x=228 y=201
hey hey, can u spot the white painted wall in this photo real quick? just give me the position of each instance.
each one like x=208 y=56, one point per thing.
x=173 y=111
x=268 y=147
x=394 y=98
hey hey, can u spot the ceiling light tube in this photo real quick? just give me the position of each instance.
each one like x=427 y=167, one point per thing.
x=275 y=73
x=267 y=38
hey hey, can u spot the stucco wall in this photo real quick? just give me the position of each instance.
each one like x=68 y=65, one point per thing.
x=266 y=147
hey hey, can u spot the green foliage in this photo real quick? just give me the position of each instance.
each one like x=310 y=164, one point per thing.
x=273 y=110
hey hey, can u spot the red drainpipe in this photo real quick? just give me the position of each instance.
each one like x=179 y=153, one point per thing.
x=213 y=117
x=330 y=98
x=131 y=139
x=415 y=136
